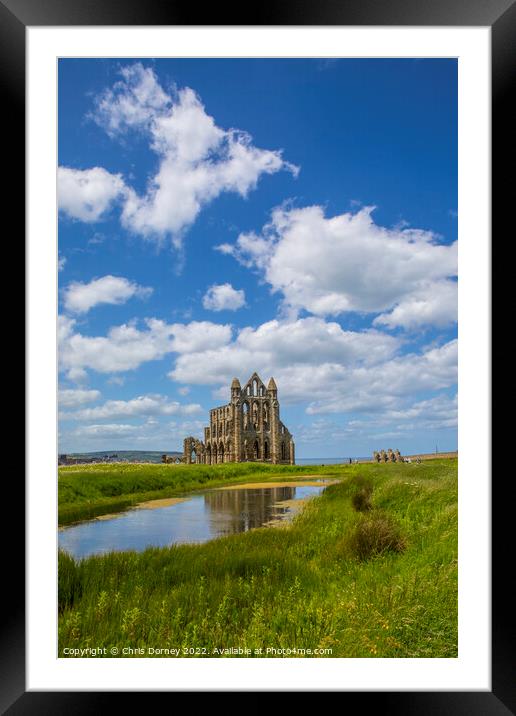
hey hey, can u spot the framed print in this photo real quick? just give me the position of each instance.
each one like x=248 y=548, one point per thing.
x=256 y=265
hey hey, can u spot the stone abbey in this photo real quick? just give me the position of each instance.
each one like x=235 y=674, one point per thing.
x=247 y=429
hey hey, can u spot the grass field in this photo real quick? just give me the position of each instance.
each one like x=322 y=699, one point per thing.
x=368 y=569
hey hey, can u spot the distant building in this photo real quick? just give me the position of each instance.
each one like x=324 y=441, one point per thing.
x=67 y=460
x=247 y=429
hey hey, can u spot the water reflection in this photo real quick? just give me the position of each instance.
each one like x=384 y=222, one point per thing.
x=234 y=511
x=198 y=519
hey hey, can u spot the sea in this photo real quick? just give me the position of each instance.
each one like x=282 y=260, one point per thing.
x=155 y=456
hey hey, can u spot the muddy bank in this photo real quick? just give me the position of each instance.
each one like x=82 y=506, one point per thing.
x=283 y=483
x=156 y=504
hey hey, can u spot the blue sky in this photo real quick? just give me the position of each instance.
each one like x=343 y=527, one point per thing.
x=293 y=217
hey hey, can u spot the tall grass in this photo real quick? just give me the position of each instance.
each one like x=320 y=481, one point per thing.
x=301 y=586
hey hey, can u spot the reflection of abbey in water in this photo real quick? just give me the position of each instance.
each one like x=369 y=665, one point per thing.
x=242 y=510
x=246 y=429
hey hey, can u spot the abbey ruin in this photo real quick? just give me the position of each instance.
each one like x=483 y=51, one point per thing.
x=247 y=429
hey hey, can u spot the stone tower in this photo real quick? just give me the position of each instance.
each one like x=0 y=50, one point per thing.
x=247 y=429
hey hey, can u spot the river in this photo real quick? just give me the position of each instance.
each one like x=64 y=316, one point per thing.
x=195 y=518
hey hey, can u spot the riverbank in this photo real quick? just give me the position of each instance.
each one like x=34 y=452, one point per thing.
x=368 y=569
x=89 y=491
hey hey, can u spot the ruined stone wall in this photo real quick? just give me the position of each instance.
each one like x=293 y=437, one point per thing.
x=246 y=429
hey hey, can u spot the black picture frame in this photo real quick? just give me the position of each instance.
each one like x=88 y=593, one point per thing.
x=500 y=16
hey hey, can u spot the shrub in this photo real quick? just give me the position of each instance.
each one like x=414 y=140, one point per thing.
x=361 y=500
x=375 y=535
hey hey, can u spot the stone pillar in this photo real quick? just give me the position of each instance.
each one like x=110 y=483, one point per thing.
x=275 y=441
x=261 y=429
x=272 y=395
x=236 y=420
x=292 y=453
x=236 y=409
x=187 y=451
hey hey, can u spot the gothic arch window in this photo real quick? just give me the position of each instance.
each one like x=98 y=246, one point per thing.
x=256 y=450
x=208 y=455
x=265 y=416
x=283 y=453
x=255 y=387
x=255 y=415
x=266 y=452
x=245 y=412
x=262 y=391
x=221 y=452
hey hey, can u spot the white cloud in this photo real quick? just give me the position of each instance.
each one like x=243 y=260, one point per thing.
x=72 y=398
x=436 y=413
x=77 y=374
x=106 y=431
x=381 y=387
x=279 y=347
x=223 y=297
x=187 y=427
x=150 y=435
x=441 y=411
x=126 y=347
x=197 y=159
x=328 y=266
x=315 y=361
x=132 y=102
x=433 y=303
x=142 y=406
x=186 y=134
x=322 y=430
x=312 y=360
x=80 y=297
x=116 y=380
x=199 y=336
x=61 y=261
x=88 y=194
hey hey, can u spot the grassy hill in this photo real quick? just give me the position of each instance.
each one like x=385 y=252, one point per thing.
x=368 y=569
